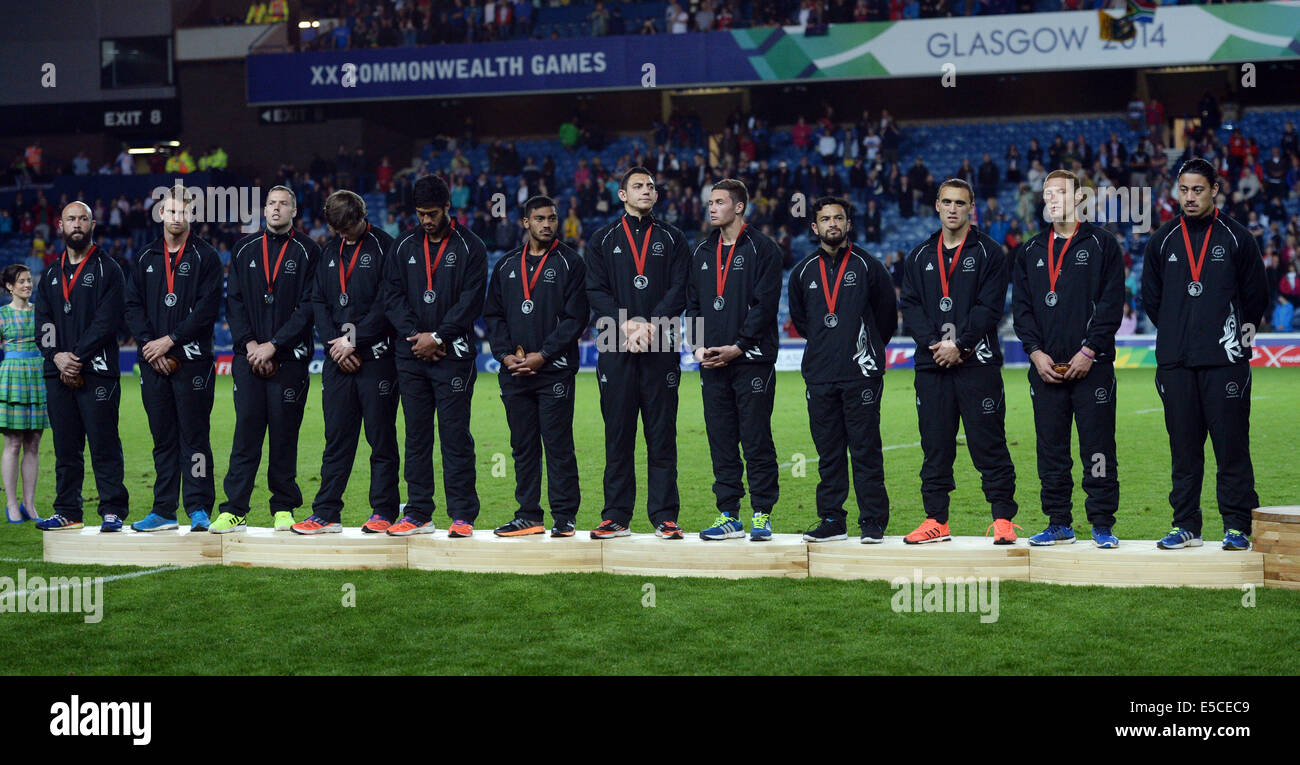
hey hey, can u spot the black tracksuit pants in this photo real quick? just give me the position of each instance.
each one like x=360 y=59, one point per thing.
x=738 y=403
x=845 y=421
x=447 y=393
x=265 y=407
x=1090 y=403
x=1213 y=400
x=642 y=384
x=539 y=410
x=973 y=396
x=179 y=408
x=367 y=396
x=77 y=416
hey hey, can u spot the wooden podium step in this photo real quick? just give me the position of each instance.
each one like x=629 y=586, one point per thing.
x=647 y=555
x=1277 y=537
x=351 y=549
x=132 y=548
x=961 y=557
x=1138 y=563
x=485 y=552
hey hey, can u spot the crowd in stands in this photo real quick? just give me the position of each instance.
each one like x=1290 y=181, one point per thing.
x=397 y=23
x=869 y=158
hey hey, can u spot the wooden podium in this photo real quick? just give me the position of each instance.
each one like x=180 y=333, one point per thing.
x=784 y=555
x=536 y=554
x=176 y=547
x=1277 y=538
x=961 y=557
x=1139 y=563
x=351 y=549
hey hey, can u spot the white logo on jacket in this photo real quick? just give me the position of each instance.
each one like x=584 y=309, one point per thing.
x=1229 y=341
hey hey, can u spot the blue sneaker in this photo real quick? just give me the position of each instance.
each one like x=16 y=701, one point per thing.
x=1235 y=540
x=154 y=522
x=1178 y=538
x=1051 y=535
x=726 y=527
x=111 y=523
x=199 y=520
x=57 y=522
x=762 y=528
x=1103 y=538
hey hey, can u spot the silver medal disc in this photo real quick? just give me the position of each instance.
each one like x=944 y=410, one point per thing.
x=831 y=320
x=718 y=303
x=640 y=282
x=343 y=298
x=1050 y=299
x=430 y=296
x=67 y=307
x=945 y=304
x=526 y=306
x=170 y=299
x=269 y=299
x=1194 y=289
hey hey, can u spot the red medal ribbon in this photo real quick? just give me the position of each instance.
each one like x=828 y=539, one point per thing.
x=722 y=272
x=168 y=268
x=952 y=267
x=63 y=263
x=638 y=257
x=1192 y=261
x=343 y=283
x=429 y=270
x=833 y=297
x=1054 y=266
x=266 y=263
x=523 y=268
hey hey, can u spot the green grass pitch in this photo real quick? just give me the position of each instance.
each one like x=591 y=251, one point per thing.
x=294 y=622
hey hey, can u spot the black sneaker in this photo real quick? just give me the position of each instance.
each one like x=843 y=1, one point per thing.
x=609 y=530
x=520 y=527
x=563 y=529
x=872 y=534
x=829 y=530
x=668 y=530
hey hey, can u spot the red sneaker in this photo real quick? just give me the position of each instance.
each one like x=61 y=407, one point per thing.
x=377 y=524
x=460 y=529
x=930 y=531
x=1003 y=531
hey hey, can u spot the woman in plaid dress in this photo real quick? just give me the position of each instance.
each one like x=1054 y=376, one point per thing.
x=22 y=393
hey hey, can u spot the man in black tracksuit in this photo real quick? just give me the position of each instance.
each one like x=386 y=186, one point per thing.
x=1203 y=286
x=435 y=276
x=359 y=379
x=842 y=301
x=1067 y=301
x=172 y=302
x=537 y=305
x=268 y=307
x=636 y=282
x=79 y=306
x=732 y=296
x=953 y=294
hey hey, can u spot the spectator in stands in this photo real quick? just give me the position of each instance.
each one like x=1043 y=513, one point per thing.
x=572 y=224
x=871 y=224
x=988 y=178
x=1139 y=165
x=1293 y=177
x=906 y=200
x=1275 y=169
x=81 y=163
x=1014 y=160
x=676 y=20
x=1288 y=287
x=1128 y=323
x=1249 y=185
x=801 y=134
x=599 y=18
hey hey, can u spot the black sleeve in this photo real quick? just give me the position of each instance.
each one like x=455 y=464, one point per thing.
x=396 y=308
x=241 y=329
x=459 y=319
x=208 y=304
x=1153 y=281
x=1022 y=304
x=494 y=316
x=795 y=299
x=1252 y=282
x=137 y=318
x=102 y=332
x=1109 y=311
x=674 y=300
x=573 y=316
x=984 y=315
x=600 y=290
x=326 y=329
x=767 y=294
x=693 y=292
x=914 y=316
x=884 y=301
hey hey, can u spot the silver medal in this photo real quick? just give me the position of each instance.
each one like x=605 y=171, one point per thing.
x=526 y=307
x=1050 y=299
x=269 y=298
x=718 y=303
x=640 y=282
x=67 y=307
x=430 y=296
x=343 y=298
x=170 y=299
x=831 y=320
x=945 y=304
x=1194 y=289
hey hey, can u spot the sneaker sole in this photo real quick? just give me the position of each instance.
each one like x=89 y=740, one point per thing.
x=172 y=527
x=1105 y=545
x=421 y=530
x=1181 y=545
x=1004 y=541
x=368 y=530
x=526 y=533
x=73 y=527
x=455 y=535
x=560 y=534
x=240 y=527
x=1051 y=542
x=314 y=532
x=611 y=534
x=725 y=535
x=669 y=536
x=835 y=538
x=872 y=541
x=761 y=537
x=944 y=538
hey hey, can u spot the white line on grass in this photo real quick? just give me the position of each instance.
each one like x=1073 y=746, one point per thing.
x=113 y=578
x=22 y=560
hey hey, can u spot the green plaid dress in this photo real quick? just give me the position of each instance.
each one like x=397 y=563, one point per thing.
x=22 y=389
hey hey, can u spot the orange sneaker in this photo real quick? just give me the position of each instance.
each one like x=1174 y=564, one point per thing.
x=408 y=526
x=1003 y=531
x=377 y=524
x=930 y=531
x=461 y=529
x=316 y=525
